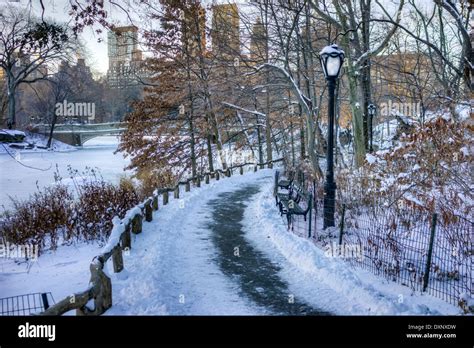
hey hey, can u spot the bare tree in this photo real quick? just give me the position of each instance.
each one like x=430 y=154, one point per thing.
x=26 y=48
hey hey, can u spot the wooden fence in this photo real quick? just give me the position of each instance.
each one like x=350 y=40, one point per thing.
x=100 y=289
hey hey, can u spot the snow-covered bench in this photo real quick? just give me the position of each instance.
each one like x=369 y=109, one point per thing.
x=289 y=202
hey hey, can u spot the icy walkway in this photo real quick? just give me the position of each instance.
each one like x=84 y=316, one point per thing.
x=223 y=250
x=173 y=267
x=194 y=259
x=257 y=275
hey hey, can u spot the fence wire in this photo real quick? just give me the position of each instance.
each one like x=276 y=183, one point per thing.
x=395 y=243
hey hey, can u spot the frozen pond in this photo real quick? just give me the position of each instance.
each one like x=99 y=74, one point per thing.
x=19 y=182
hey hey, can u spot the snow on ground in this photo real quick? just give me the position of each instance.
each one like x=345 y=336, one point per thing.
x=19 y=181
x=34 y=143
x=171 y=269
x=61 y=272
x=327 y=282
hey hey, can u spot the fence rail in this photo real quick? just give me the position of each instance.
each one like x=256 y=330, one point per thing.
x=100 y=289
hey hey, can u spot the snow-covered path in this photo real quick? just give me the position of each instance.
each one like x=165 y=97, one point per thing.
x=222 y=250
x=173 y=269
x=194 y=259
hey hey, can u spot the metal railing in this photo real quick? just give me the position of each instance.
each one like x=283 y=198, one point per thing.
x=28 y=304
x=423 y=251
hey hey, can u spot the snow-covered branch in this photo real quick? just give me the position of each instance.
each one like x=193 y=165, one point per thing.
x=255 y=112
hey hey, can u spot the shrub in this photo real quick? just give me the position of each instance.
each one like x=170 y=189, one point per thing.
x=57 y=214
x=42 y=220
x=428 y=171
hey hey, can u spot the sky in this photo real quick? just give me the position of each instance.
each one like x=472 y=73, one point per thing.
x=95 y=51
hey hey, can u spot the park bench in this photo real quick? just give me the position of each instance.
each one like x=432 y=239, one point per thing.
x=289 y=203
x=283 y=184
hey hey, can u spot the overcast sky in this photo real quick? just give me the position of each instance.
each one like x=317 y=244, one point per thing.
x=96 y=52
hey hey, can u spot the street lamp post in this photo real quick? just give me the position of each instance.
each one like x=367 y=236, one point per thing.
x=331 y=58
x=371 y=109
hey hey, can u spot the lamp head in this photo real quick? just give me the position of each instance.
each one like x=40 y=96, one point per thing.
x=371 y=108
x=332 y=58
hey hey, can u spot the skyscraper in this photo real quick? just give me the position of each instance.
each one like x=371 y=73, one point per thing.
x=225 y=32
x=258 y=42
x=194 y=30
x=125 y=58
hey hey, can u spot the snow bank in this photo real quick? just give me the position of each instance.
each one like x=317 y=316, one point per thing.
x=34 y=143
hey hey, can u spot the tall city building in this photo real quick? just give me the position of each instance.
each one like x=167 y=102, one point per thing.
x=225 y=32
x=258 y=42
x=126 y=66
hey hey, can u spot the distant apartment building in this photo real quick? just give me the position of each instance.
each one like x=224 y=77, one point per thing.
x=126 y=65
x=404 y=78
x=258 y=43
x=225 y=31
x=194 y=32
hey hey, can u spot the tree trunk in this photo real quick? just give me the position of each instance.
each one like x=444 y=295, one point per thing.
x=193 y=147
x=51 y=130
x=355 y=94
x=268 y=133
x=268 y=130
x=209 y=153
x=11 y=105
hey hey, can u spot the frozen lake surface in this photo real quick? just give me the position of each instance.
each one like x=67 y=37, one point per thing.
x=19 y=181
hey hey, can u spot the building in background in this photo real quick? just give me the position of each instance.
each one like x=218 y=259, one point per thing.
x=194 y=33
x=126 y=64
x=258 y=43
x=225 y=31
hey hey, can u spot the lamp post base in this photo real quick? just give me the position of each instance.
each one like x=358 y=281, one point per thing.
x=329 y=204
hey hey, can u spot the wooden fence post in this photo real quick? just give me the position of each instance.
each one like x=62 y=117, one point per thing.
x=155 y=202
x=217 y=176
x=426 y=276
x=198 y=181
x=137 y=224
x=242 y=170
x=206 y=178
x=255 y=168
x=117 y=259
x=187 y=187
x=101 y=291
x=229 y=172
x=148 y=211
x=125 y=238
x=165 y=197
x=176 y=192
